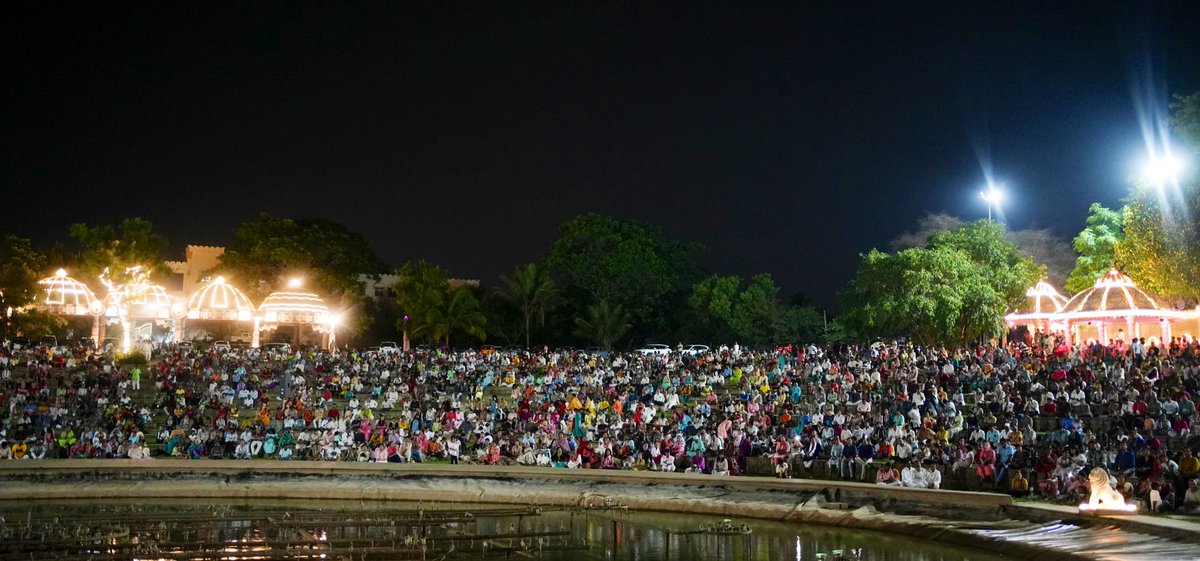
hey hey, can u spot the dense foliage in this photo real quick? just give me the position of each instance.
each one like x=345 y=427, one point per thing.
x=1096 y=246
x=954 y=290
x=132 y=243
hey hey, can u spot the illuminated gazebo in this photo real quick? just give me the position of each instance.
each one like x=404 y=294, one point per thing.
x=1040 y=310
x=217 y=300
x=1115 y=305
x=294 y=306
x=139 y=299
x=63 y=295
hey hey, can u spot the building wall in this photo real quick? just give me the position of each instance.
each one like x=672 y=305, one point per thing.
x=199 y=259
x=378 y=287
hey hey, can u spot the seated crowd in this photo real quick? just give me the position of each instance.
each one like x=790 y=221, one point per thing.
x=1028 y=418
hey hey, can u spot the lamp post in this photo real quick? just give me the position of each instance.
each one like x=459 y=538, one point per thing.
x=405 y=342
x=992 y=196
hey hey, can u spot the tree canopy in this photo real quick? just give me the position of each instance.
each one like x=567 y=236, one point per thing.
x=1161 y=245
x=267 y=251
x=532 y=293
x=954 y=290
x=603 y=323
x=132 y=243
x=436 y=310
x=625 y=263
x=1096 y=246
x=21 y=265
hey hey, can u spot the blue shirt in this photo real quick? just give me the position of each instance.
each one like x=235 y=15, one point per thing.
x=1126 y=460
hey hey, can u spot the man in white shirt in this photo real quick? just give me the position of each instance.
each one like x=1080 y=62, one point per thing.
x=453 y=449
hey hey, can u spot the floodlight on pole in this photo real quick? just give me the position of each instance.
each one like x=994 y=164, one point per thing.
x=992 y=196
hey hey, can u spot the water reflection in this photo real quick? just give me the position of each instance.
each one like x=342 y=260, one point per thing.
x=363 y=531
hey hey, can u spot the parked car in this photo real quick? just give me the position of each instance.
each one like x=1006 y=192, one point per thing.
x=655 y=349
x=50 y=341
x=185 y=346
x=488 y=349
x=282 y=348
x=694 y=350
x=221 y=347
x=596 y=351
x=389 y=347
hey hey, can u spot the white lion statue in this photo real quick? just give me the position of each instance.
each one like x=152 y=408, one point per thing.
x=1103 y=495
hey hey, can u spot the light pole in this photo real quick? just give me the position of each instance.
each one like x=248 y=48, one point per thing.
x=405 y=343
x=992 y=196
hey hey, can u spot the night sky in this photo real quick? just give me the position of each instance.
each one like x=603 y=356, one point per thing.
x=786 y=138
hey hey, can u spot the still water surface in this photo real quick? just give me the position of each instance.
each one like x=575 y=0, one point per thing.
x=333 y=530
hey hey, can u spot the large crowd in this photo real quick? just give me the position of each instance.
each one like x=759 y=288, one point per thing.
x=1029 y=417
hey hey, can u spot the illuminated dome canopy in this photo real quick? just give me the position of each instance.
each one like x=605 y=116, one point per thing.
x=1044 y=301
x=294 y=305
x=1116 y=295
x=219 y=300
x=66 y=295
x=144 y=300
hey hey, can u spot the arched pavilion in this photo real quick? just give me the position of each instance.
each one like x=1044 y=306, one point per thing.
x=63 y=295
x=141 y=300
x=1041 y=309
x=217 y=300
x=1116 y=305
x=298 y=307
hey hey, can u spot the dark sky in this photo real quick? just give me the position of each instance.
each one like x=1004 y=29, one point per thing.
x=787 y=138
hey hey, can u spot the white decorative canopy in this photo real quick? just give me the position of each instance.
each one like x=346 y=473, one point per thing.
x=219 y=300
x=143 y=300
x=294 y=305
x=65 y=295
x=1115 y=295
x=1044 y=302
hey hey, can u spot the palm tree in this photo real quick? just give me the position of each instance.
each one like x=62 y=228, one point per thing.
x=457 y=311
x=603 y=323
x=532 y=292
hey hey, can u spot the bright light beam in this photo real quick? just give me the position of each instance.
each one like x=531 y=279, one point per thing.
x=992 y=196
x=1163 y=170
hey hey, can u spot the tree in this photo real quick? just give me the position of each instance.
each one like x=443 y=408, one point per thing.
x=1161 y=245
x=985 y=242
x=1042 y=245
x=21 y=265
x=436 y=310
x=935 y=295
x=266 y=252
x=1096 y=246
x=1185 y=118
x=711 y=305
x=755 y=314
x=626 y=263
x=532 y=292
x=724 y=310
x=420 y=289
x=456 y=311
x=20 y=268
x=603 y=323
x=954 y=290
x=117 y=249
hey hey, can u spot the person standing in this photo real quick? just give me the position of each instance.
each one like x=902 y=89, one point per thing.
x=453 y=448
